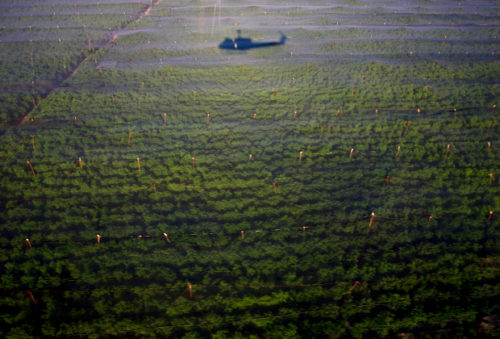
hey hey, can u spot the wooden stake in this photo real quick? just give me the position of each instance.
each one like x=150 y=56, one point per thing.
x=139 y=164
x=250 y=157
x=31 y=168
x=387 y=179
x=295 y=114
x=164 y=118
x=190 y=289
x=255 y=115
x=129 y=137
x=351 y=152
x=193 y=162
x=489 y=147
x=98 y=238
x=300 y=156
x=30 y=295
x=28 y=243
x=397 y=152
x=431 y=218
x=208 y=118
x=275 y=187
x=356 y=283
x=371 y=221
x=154 y=188
x=80 y=162
x=490 y=216
x=165 y=235
x=376 y=112
x=448 y=149
x=242 y=235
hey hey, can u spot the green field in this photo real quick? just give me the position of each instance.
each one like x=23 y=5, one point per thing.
x=344 y=185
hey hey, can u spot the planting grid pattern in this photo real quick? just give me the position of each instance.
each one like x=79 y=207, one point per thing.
x=123 y=119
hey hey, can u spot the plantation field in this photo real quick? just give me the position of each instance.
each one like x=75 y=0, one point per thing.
x=344 y=184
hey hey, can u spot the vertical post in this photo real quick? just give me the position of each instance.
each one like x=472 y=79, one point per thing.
x=250 y=157
x=351 y=152
x=275 y=187
x=242 y=235
x=165 y=235
x=490 y=216
x=356 y=283
x=80 y=162
x=139 y=164
x=376 y=112
x=398 y=151
x=28 y=243
x=164 y=118
x=431 y=218
x=31 y=167
x=190 y=289
x=300 y=156
x=30 y=295
x=372 y=216
x=489 y=146
x=448 y=149
x=98 y=238
x=154 y=188
x=387 y=179
x=193 y=162
x=208 y=118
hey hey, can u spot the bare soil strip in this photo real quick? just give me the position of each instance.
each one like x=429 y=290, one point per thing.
x=56 y=87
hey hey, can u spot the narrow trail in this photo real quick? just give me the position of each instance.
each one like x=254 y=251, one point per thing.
x=113 y=37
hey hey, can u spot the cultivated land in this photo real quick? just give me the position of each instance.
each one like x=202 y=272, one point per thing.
x=345 y=184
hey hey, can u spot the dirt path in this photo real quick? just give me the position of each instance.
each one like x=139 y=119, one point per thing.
x=112 y=38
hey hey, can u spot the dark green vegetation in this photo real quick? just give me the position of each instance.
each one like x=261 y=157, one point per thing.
x=415 y=104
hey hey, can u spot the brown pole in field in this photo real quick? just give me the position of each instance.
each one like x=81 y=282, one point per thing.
x=431 y=218
x=31 y=167
x=193 y=162
x=164 y=118
x=98 y=238
x=30 y=295
x=250 y=157
x=397 y=152
x=489 y=146
x=376 y=112
x=372 y=216
x=154 y=188
x=255 y=115
x=387 y=179
x=208 y=118
x=295 y=114
x=139 y=164
x=165 y=235
x=275 y=187
x=28 y=243
x=190 y=289
x=300 y=156
x=242 y=235
x=80 y=162
x=356 y=283
x=448 y=149
x=490 y=216
x=351 y=152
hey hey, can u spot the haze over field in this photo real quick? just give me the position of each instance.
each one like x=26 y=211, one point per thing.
x=343 y=184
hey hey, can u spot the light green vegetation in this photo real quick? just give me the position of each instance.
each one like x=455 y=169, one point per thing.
x=311 y=261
